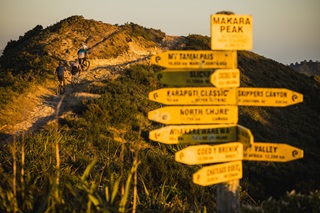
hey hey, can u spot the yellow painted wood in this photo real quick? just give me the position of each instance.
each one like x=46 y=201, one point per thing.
x=204 y=154
x=273 y=97
x=195 y=59
x=226 y=78
x=191 y=134
x=218 y=173
x=231 y=32
x=274 y=152
x=195 y=115
x=194 y=96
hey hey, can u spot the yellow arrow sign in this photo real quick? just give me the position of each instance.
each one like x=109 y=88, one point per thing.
x=203 y=154
x=195 y=115
x=274 y=97
x=194 y=96
x=223 y=78
x=219 y=173
x=185 y=77
x=231 y=32
x=195 y=59
x=244 y=136
x=194 y=134
x=274 y=152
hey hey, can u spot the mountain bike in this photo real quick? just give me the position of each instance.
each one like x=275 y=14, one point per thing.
x=75 y=79
x=85 y=64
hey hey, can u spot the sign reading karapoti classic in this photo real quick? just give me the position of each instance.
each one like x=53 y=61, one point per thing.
x=231 y=32
x=178 y=134
x=199 y=59
x=195 y=115
x=194 y=96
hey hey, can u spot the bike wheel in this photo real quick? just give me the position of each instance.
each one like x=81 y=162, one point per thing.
x=86 y=65
x=73 y=81
x=59 y=89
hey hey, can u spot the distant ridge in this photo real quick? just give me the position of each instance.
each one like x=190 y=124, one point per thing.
x=309 y=68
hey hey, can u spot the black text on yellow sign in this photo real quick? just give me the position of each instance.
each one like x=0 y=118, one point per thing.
x=204 y=154
x=191 y=134
x=195 y=59
x=231 y=32
x=219 y=173
x=273 y=152
x=242 y=96
x=274 y=97
x=223 y=78
x=185 y=77
x=194 y=96
x=195 y=115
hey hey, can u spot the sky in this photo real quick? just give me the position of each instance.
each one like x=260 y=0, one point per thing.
x=286 y=31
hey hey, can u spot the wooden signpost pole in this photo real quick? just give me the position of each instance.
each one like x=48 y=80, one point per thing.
x=228 y=197
x=223 y=38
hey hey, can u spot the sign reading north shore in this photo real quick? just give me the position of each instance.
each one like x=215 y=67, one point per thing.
x=223 y=78
x=191 y=134
x=195 y=115
x=185 y=77
x=231 y=32
x=275 y=152
x=244 y=136
x=274 y=97
x=194 y=96
x=204 y=154
x=195 y=59
x=219 y=173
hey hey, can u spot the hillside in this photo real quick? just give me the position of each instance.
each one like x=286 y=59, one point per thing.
x=105 y=119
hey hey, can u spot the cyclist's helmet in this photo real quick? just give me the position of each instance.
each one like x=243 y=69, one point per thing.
x=84 y=47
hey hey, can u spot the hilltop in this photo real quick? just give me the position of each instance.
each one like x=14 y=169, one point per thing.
x=111 y=103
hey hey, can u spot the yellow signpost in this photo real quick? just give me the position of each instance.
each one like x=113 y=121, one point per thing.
x=218 y=173
x=203 y=154
x=195 y=115
x=194 y=96
x=223 y=78
x=185 y=77
x=212 y=112
x=244 y=136
x=194 y=134
x=231 y=32
x=274 y=97
x=274 y=152
x=195 y=59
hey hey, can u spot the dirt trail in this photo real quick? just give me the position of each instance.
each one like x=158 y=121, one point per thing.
x=50 y=106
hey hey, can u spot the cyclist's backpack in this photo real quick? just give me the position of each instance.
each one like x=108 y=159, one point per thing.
x=74 y=70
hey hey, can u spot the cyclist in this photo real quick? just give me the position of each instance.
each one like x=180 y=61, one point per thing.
x=75 y=68
x=82 y=54
x=60 y=70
